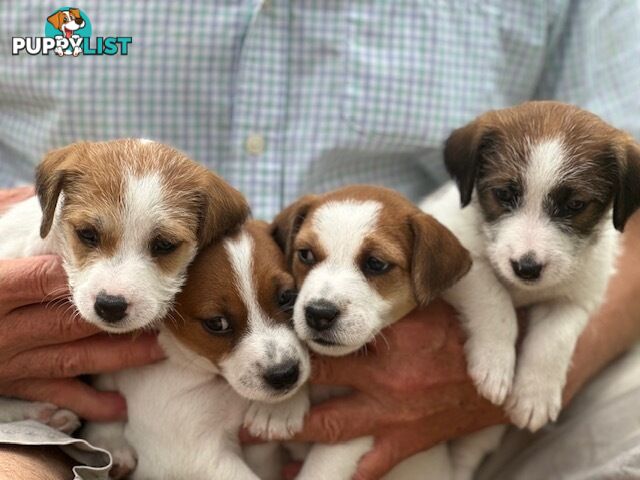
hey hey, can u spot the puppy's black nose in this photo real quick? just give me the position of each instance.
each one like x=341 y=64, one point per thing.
x=79 y=21
x=111 y=308
x=527 y=267
x=283 y=376
x=320 y=314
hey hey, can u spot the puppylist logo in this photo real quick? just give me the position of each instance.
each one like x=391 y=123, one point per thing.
x=67 y=32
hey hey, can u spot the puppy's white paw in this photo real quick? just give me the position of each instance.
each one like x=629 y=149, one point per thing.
x=124 y=462
x=110 y=437
x=534 y=403
x=64 y=420
x=491 y=370
x=277 y=421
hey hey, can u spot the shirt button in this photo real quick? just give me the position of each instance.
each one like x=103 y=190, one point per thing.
x=267 y=6
x=255 y=144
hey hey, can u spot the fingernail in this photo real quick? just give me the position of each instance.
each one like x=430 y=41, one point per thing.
x=119 y=405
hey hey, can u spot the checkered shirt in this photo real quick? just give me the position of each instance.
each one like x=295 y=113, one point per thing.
x=288 y=97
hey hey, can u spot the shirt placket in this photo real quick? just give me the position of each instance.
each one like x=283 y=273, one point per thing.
x=259 y=106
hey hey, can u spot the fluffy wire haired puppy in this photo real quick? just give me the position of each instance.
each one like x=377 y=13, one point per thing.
x=127 y=217
x=231 y=354
x=362 y=257
x=543 y=187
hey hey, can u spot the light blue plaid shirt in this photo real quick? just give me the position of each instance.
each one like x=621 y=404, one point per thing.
x=287 y=97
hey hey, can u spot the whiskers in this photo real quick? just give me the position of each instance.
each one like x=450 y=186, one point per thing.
x=373 y=342
x=175 y=317
x=61 y=302
x=57 y=297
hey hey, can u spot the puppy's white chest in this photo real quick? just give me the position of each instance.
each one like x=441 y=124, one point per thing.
x=180 y=422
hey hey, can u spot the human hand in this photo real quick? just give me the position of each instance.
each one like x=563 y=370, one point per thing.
x=14 y=195
x=44 y=345
x=411 y=392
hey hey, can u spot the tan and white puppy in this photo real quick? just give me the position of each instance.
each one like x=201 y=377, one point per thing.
x=231 y=353
x=363 y=257
x=127 y=217
x=545 y=186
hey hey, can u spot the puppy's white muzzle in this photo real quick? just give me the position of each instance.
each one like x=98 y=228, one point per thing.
x=337 y=311
x=269 y=364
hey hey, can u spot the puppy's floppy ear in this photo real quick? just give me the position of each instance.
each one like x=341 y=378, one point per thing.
x=439 y=260
x=222 y=209
x=52 y=174
x=75 y=12
x=627 y=196
x=462 y=155
x=56 y=20
x=288 y=222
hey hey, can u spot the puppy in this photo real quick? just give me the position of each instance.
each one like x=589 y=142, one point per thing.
x=545 y=186
x=363 y=257
x=127 y=217
x=230 y=343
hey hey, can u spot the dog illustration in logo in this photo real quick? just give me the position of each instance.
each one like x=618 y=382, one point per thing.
x=67 y=22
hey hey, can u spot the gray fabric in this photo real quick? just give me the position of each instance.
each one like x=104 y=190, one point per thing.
x=93 y=462
x=597 y=437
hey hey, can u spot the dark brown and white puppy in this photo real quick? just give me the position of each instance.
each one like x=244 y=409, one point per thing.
x=363 y=257
x=127 y=217
x=232 y=354
x=545 y=185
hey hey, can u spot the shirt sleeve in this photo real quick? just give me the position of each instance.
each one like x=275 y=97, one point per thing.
x=594 y=60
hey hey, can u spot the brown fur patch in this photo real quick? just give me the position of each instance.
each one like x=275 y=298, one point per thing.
x=494 y=150
x=200 y=206
x=211 y=290
x=426 y=260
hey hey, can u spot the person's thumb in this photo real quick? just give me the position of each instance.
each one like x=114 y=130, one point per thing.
x=340 y=419
x=389 y=450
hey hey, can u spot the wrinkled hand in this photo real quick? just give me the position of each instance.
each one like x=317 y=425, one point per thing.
x=44 y=346
x=411 y=392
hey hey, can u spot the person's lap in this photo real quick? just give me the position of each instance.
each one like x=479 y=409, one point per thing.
x=596 y=437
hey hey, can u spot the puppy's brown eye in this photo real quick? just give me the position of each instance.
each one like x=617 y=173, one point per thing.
x=287 y=298
x=576 y=206
x=507 y=196
x=374 y=266
x=217 y=325
x=161 y=246
x=88 y=236
x=306 y=256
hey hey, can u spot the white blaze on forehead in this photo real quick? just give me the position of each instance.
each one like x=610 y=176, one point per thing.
x=145 y=141
x=144 y=207
x=544 y=169
x=240 y=251
x=342 y=227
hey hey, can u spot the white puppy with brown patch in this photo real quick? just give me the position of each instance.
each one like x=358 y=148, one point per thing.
x=545 y=186
x=363 y=257
x=231 y=354
x=127 y=217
